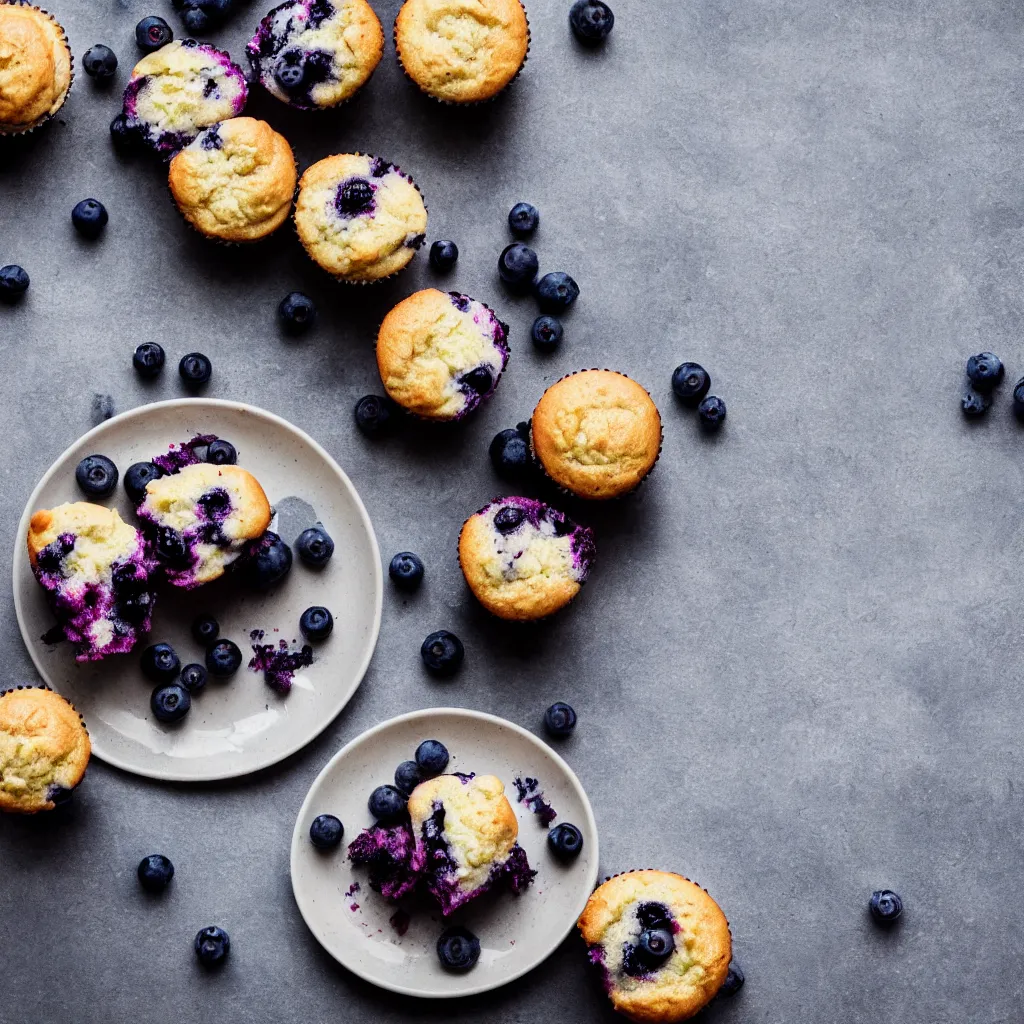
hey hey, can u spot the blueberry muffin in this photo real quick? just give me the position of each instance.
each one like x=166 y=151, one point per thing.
x=44 y=749
x=180 y=89
x=200 y=520
x=315 y=54
x=35 y=67
x=524 y=559
x=661 y=943
x=462 y=51
x=459 y=842
x=359 y=217
x=596 y=433
x=440 y=354
x=235 y=182
x=97 y=575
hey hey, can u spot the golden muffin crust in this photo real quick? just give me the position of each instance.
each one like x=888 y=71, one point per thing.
x=462 y=51
x=235 y=182
x=35 y=66
x=689 y=979
x=597 y=433
x=44 y=747
x=101 y=537
x=365 y=246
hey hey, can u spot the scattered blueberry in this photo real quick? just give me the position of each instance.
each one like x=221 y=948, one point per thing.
x=89 y=218
x=151 y=33
x=975 y=403
x=442 y=653
x=711 y=412
x=458 y=948
x=407 y=777
x=691 y=382
x=373 y=415
x=160 y=663
x=985 y=371
x=155 y=872
x=591 y=21
x=556 y=292
x=885 y=906
x=96 y=475
x=565 y=841
x=100 y=62
x=432 y=757
x=13 y=282
x=316 y=623
x=733 y=980
x=387 y=804
x=193 y=678
x=517 y=266
x=546 y=333
x=212 y=945
x=125 y=135
x=195 y=369
x=523 y=219
x=315 y=546
x=655 y=946
x=510 y=454
x=444 y=255
x=223 y=659
x=148 y=359
x=326 y=831
x=406 y=570
x=221 y=453
x=269 y=563
x=205 y=629
x=296 y=313
x=137 y=477
x=560 y=719
x=170 y=703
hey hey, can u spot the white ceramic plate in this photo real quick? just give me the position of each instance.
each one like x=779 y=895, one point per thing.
x=242 y=725
x=516 y=932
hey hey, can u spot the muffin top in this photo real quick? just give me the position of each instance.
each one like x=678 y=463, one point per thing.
x=180 y=89
x=441 y=353
x=35 y=66
x=694 y=958
x=359 y=217
x=97 y=537
x=462 y=51
x=597 y=433
x=44 y=749
x=524 y=559
x=235 y=181
x=316 y=53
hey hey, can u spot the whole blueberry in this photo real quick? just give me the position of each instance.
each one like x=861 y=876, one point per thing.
x=160 y=663
x=432 y=757
x=326 y=831
x=556 y=292
x=100 y=62
x=125 y=134
x=316 y=623
x=407 y=777
x=89 y=218
x=373 y=415
x=546 y=333
x=205 y=629
x=195 y=369
x=387 y=804
x=217 y=10
x=523 y=219
x=406 y=570
x=315 y=546
x=733 y=980
x=655 y=945
x=444 y=255
x=591 y=21
x=170 y=703
x=690 y=382
x=137 y=477
x=1018 y=398
x=151 y=33
x=148 y=359
x=442 y=653
x=711 y=412
x=13 y=282
x=296 y=313
x=885 y=906
x=196 y=20
x=355 y=197
x=510 y=454
x=517 y=266
x=565 y=841
x=458 y=948
x=985 y=371
x=479 y=379
x=269 y=562
x=221 y=453
x=560 y=719
x=212 y=946
x=977 y=403
x=193 y=677
x=96 y=475
x=223 y=659
x=155 y=872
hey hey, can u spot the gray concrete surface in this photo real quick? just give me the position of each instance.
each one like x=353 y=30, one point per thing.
x=797 y=668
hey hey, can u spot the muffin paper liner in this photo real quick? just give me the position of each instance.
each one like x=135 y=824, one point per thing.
x=12 y=130
x=583 y=497
x=464 y=103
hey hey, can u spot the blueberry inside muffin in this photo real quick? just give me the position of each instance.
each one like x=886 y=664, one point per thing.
x=97 y=574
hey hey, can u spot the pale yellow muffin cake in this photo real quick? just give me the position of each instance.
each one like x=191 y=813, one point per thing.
x=596 y=433
x=462 y=51
x=44 y=749
x=35 y=67
x=662 y=945
x=235 y=182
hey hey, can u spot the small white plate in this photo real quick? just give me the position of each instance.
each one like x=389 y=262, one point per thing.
x=516 y=932
x=241 y=725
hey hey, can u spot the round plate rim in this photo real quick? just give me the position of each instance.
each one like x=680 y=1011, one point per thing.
x=299 y=840
x=278 y=421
